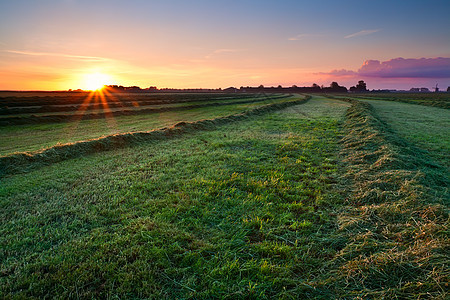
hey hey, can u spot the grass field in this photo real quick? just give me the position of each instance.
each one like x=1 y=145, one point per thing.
x=426 y=127
x=32 y=137
x=324 y=199
x=241 y=210
x=441 y=100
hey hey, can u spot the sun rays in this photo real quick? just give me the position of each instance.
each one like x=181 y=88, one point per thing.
x=96 y=106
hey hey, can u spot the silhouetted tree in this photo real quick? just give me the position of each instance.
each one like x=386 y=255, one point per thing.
x=335 y=88
x=360 y=87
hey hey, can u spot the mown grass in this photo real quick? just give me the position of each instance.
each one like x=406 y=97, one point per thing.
x=426 y=127
x=20 y=138
x=441 y=100
x=396 y=219
x=246 y=210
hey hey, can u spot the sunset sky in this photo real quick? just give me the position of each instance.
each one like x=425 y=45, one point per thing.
x=59 y=44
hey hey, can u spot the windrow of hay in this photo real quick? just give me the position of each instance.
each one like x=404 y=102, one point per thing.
x=22 y=162
x=57 y=118
x=396 y=220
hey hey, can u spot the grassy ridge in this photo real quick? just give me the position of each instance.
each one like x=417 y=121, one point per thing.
x=242 y=211
x=23 y=161
x=397 y=218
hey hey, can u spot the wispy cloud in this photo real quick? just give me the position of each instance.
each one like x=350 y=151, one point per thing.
x=226 y=50
x=222 y=51
x=361 y=33
x=69 y=56
x=302 y=36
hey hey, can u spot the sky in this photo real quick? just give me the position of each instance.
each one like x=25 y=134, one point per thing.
x=63 y=44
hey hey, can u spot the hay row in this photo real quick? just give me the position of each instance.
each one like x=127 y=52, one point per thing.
x=58 y=118
x=396 y=217
x=23 y=162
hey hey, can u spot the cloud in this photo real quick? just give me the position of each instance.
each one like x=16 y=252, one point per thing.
x=361 y=33
x=226 y=51
x=438 y=67
x=339 y=73
x=298 y=37
x=70 y=56
x=302 y=36
x=222 y=51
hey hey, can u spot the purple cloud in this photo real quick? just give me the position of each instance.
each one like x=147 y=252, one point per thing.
x=407 y=68
x=438 y=67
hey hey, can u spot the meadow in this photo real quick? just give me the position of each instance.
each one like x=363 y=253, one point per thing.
x=287 y=197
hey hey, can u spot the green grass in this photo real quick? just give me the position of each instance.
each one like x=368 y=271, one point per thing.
x=425 y=127
x=20 y=138
x=243 y=211
x=441 y=100
x=297 y=203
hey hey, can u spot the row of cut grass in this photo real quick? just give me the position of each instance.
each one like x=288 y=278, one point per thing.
x=106 y=112
x=396 y=220
x=21 y=138
x=441 y=100
x=426 y=127
x=20 y=162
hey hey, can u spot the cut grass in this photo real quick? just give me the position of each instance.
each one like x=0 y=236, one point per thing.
x=21 y=138
x=21 y=162
x=397 y=218
x=243 y=211
x=250 y=209
x=441 y=100
x=106 y=112
x=425 y=127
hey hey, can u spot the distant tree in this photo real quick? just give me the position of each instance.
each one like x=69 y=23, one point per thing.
x=336 y=88
x=360 y=87
x=334 y=85
x=315 y=86
x=279 y=86
x=448 y=89
x=261 y=87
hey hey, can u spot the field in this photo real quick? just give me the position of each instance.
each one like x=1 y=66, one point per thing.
x=279 y=196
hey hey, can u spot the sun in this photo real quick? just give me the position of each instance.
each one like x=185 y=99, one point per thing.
x=95 y=81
